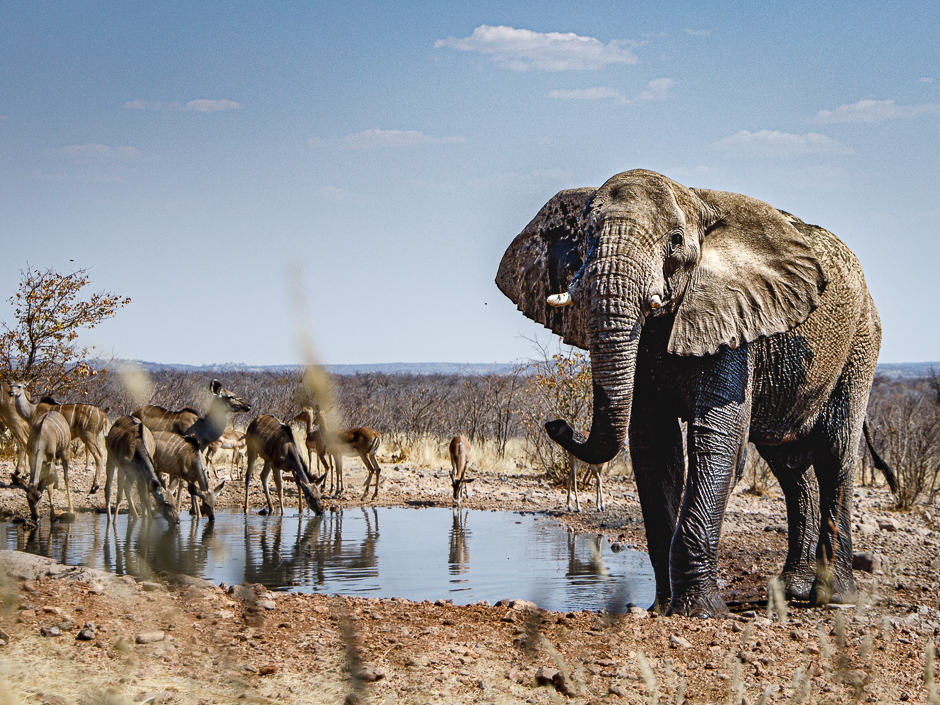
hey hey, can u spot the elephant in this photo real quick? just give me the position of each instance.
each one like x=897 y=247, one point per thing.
x=740 y=320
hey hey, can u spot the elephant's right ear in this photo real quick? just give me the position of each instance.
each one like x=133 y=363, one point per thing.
x=543 y=259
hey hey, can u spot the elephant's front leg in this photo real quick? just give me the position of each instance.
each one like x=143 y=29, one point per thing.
x=659 y=468
x=717 y=435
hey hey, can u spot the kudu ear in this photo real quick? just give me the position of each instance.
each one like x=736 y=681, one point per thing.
x=543 y=259
x=757 y=276
x=215 y=386
x=218 y=489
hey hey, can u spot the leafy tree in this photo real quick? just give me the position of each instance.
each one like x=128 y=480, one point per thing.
x=41 y=347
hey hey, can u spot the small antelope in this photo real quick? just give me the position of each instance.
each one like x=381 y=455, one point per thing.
x=555 y=429
x=315 y=443
x=360 y=441
x=130 y=451
x=459 y=457
x=205 y=428
x=86 y=422
x=179 y=458
x=49 y=439
x=273 y=441
x=13 y=421
x=229 y=440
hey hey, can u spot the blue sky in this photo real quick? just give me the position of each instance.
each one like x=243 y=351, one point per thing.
x=212 y=160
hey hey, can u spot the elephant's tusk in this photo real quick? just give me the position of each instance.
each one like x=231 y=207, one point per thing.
x=559 y=300
x=655 y=302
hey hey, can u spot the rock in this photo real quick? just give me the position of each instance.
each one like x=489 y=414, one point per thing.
x=268 y=670
x=616 y=690
x=87 y=633
x=371 y=675
x=266 y=604
x=150 y=587
x=30 y=586
x=889 y=524
x=51 y=699
x=677 y=642
x=855 y=678
x=149 y=637
x=52 y=610
x=508 y=617
x=545 y=675
x=523 y=605
x=638 y=612
x=4 y=635
x=50 y=631
x=154 y=696
x=871 y=562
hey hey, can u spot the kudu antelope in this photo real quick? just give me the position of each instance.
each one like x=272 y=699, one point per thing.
x=459 y=457
x=86 y=422
x=206 y=428
x=554 y=427
x=273 y=441
x=49 y=439
x=361 y=441
x=178 y=457
x=13 y=421
x=229 y=440
x=315 y=443
x=131 y=446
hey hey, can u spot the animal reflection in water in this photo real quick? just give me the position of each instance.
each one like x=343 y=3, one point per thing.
x=458 y=560
x=276 y=556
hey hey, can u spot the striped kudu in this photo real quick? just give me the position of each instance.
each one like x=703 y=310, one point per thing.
x=179 y=458
x=130 y=451
x=274 y=442
x=13 y=421
x=205 y=428
x=49 y=439
x=315 y=444
x=86 y=422
x=360 y=441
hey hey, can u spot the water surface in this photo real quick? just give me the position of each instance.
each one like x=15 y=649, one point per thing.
x=419 y=554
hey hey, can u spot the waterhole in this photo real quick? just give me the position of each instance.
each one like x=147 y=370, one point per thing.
x=418 y=554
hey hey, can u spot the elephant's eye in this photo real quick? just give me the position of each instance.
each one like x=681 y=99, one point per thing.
x=676 y=240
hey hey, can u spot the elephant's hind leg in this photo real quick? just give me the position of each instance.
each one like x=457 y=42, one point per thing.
x=790 y=465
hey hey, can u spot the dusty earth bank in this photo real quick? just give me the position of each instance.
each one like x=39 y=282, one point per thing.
x=72 y=635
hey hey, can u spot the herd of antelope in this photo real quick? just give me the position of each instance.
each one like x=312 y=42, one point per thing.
x=154 y=442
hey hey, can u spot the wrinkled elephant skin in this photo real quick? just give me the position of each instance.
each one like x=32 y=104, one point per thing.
x=744 y=322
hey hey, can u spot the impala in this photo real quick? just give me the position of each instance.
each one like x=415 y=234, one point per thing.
x=315 y=443
x=573 y=464
x=459 y=457
x=361 y=441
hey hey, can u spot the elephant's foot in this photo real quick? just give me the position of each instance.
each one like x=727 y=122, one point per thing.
x=798 y=584
x=703 y=605
x=832 y=588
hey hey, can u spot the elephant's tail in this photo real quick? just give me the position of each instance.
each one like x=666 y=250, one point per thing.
x=879 y=462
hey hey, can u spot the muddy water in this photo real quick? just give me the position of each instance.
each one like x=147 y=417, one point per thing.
x=419 y=554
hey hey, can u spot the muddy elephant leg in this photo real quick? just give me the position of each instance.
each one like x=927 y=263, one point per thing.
x=659 y=468
x=717 y=438
x=790 y=465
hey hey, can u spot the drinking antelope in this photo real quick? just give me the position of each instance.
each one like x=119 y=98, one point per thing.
x=205 y=428
x=86 y=422
x=131 y=446
x=573 y=463
x=360 y=441
x=459 y=457
x=179 y=458
x=13 y=421
x=273 y=441
x=229 y=440
x=315 y=444
x=49 y=439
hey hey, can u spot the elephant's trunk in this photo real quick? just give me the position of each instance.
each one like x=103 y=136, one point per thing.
x=616 y=320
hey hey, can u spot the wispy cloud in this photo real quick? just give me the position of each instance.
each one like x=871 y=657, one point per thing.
x=384 y=139
x=5 y=117
x=771 y=143
x=95 y=153
x=657 y=89
x=868 y=110
x=699 y=32
x=926 y=79
x=524 y=50
x=201 y=105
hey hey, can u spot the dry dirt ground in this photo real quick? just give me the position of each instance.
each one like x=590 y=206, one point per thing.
x=173 y=640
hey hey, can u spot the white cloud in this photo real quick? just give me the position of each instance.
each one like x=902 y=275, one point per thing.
x=523 y=49
x=699 y=32
x=771 y=143
x=212 y=106
x=384 y=139
x=657 y=89
x=868 y=110
x=5 y=117
x=926 y=79
x=201 y=105
x=96 y=153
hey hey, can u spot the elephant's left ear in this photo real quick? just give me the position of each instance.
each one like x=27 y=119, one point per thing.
x=757 y=275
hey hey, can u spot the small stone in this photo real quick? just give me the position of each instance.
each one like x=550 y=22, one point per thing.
x=149 y=637
x=50 y=631
x=449 y=622
x=4 y=635
x=52 y=610
x=737 y=627
x=269 y=670
x=508 y=617
x=545 y=675
x=30 y=586
x=523 y=605
x=677 y=642
x=88 y=632
x=616 y=690
x=52 y=699
x=266 y=604
x=150 y=587
x=371 y=675
x=856 y=678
